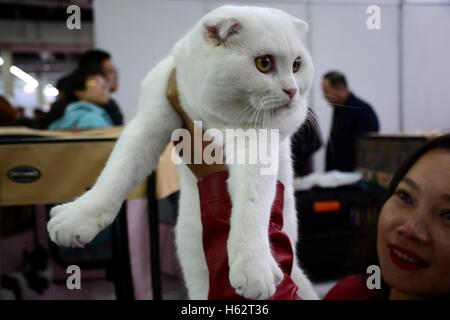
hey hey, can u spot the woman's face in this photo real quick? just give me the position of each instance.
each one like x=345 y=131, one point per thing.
x=414 y=229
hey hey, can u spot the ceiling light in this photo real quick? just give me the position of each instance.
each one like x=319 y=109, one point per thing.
x=19 y=73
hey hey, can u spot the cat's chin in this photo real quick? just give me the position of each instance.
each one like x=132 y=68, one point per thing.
x=279 y=109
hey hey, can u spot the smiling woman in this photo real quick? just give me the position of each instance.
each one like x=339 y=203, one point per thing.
x=414 y=226
x=413 y=233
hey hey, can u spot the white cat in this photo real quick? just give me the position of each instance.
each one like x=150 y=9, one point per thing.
x=238 y=67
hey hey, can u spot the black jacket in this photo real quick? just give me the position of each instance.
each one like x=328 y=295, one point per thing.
x=355 y=118
x=114 y=112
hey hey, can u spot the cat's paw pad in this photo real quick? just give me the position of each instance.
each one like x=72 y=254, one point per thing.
x=76 y=223
x=255 y=278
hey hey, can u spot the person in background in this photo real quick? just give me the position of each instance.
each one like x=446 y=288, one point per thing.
x=22 y=120
x=20 y=112
x=412 y=244
x=99 y=59
x=58 y=107
x=7 y=113
x=89 y=90
x=38 y=115
x=351 y=117
x=305 y=142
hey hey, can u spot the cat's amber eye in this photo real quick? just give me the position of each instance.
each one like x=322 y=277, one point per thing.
x=264 y=63
x=296 y=65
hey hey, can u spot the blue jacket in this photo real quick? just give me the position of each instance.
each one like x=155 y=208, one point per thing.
x=82 y=115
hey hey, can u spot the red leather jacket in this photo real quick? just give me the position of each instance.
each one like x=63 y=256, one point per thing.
x=215 y=207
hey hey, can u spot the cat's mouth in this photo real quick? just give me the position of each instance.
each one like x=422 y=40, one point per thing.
x=280 y=108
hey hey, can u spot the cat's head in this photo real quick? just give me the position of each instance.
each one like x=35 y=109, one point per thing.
x=246 y=66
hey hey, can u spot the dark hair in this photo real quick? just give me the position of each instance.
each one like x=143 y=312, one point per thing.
x=93 y=59
x=368 y=245
x=442 y=142
x=77 y=81
x=7 y=112
x=336 y=79
x=63 y=83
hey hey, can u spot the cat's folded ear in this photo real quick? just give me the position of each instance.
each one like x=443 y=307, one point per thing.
x=219 y=30
x=301 y=25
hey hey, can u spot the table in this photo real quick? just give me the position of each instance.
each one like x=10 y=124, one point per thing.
x=49 y=167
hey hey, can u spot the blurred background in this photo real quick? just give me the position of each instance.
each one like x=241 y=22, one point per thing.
x=401 y=67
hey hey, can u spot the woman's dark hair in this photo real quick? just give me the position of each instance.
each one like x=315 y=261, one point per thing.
x=76 y=81
x=368 y=250
x=442 y=142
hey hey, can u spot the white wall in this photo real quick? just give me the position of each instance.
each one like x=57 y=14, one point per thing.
x=427 y=67
x=139 y=36
x=141 y=32
x=369 y=59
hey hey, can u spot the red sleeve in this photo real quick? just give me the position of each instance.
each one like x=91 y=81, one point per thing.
x=215 y=206
x=353 y=287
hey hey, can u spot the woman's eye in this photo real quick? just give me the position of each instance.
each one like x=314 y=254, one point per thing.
x=297 y=64
x=403 y=196
x=446 y=215
x=264 y=63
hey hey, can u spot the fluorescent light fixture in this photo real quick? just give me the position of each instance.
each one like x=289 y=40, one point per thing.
x=19 y=73
x=29 y=88
x=50 y=91
x=1 y=61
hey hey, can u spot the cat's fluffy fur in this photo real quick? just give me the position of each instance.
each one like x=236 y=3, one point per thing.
x=217 y=79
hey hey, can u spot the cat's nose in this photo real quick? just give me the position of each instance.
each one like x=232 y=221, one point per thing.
x=290 y=92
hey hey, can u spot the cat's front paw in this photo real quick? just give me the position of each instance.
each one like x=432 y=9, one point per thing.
x=254 y=276
x=76 y=223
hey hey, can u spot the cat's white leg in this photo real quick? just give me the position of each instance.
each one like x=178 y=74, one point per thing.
x=189 y=240
x=135 y=154
x=254 y=273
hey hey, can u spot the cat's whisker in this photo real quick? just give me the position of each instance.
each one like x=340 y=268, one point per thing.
x=254 y=118
x=313 y=121
x=248 y=116
x=241 y=116
x=259 y=110
x=265 y=110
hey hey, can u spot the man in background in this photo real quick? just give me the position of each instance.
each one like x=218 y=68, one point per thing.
x=351 y=117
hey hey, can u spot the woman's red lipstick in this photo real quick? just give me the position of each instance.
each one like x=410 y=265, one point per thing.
x=406 y=259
